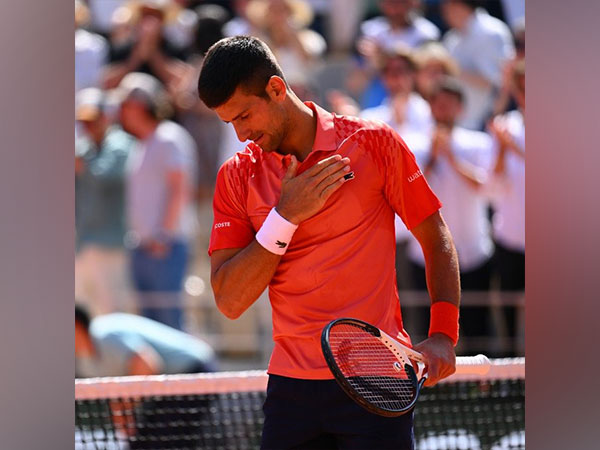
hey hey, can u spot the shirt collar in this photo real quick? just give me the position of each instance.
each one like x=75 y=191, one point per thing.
x=325 y=137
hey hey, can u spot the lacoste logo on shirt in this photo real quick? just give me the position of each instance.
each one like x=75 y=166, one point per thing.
x=222 y=225
x=415 y=175
x=281 y=244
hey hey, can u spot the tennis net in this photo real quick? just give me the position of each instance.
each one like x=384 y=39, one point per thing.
x=224 y=411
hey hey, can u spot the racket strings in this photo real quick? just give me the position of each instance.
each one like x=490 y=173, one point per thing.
x=371 y=368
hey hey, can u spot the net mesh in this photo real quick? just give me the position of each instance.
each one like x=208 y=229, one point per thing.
x=224 y=411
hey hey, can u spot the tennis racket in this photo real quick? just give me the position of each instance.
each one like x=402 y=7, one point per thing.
x=375 y=370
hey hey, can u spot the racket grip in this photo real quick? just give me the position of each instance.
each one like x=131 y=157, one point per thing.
x=473 y=365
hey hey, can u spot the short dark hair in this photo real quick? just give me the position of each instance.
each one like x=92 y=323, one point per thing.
x=82 y=316
x=236 y=61
x=452 y=86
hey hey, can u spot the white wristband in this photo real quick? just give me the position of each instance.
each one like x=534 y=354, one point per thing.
x=275 y=233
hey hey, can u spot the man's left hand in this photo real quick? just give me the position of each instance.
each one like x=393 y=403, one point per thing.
x=441 y=359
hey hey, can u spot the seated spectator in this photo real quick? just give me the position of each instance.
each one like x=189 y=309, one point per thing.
x=480 y=44
x=122 y=344
x=101 y=274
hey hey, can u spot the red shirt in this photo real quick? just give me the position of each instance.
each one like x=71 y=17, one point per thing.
x=341 y=261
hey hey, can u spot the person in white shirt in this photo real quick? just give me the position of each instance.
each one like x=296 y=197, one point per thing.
x=457 y=165
x=404 y=109
x=508 y=194
x=91 y=51
x=400 y=24
x=481 y=44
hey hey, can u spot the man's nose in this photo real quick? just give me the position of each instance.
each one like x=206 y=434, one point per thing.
x=242 y=133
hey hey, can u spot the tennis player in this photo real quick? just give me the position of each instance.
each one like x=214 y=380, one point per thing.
x=307 y=209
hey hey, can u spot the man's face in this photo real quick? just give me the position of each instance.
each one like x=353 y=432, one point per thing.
x=95 y=128
x=254 y=118
x=398 y=76
x=130 y=115
x=445 y=107
x=453 y=12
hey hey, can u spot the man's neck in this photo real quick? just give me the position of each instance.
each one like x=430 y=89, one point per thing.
x=400 y=23
x=301 y=130
x=448 y=124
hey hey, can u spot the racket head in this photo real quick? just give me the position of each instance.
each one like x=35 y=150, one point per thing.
x=367 y=370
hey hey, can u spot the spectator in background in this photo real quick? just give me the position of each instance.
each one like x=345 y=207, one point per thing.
x=509 y=179
x=91 y=51
x=100 y=156
x=140 y=41
x=434 y=63
x=407 y=113
x=403 y=109
x=457 y=167
x=126 y=344
x=203 y=124
x=121 y=344
x=399 y=25
x=159 y=198
x=480 y=44
x=508 y=186
x=282 y=24
x=505 y=100
x=238 y=25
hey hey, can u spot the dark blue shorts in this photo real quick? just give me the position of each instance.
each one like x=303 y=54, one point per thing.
x=317 y=414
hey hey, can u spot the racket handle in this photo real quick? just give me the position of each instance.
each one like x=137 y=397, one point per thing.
x=473 y=365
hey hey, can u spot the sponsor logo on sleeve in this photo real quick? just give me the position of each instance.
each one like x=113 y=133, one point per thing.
x=222 y=225
x=415 y=175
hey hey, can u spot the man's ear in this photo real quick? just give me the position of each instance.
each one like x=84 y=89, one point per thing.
x=276 y=89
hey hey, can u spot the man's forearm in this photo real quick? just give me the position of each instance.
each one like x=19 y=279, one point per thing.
x=442 y=272
x=238 y=282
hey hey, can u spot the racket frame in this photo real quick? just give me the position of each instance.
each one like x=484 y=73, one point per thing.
x=402 y=353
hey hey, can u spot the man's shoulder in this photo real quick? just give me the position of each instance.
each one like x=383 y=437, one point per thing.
x=244 y=164
x=374 y=26
x=426 y=28
x=347 y=127
x=490 y=25
x=172 y=132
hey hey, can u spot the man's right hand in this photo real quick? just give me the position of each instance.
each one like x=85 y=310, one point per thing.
x=304 y=195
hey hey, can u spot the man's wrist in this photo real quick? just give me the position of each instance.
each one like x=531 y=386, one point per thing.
x=444 y=320
x=276 y=233
x=285 y=215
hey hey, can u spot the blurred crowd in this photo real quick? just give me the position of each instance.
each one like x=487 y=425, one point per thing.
x=447 y=75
